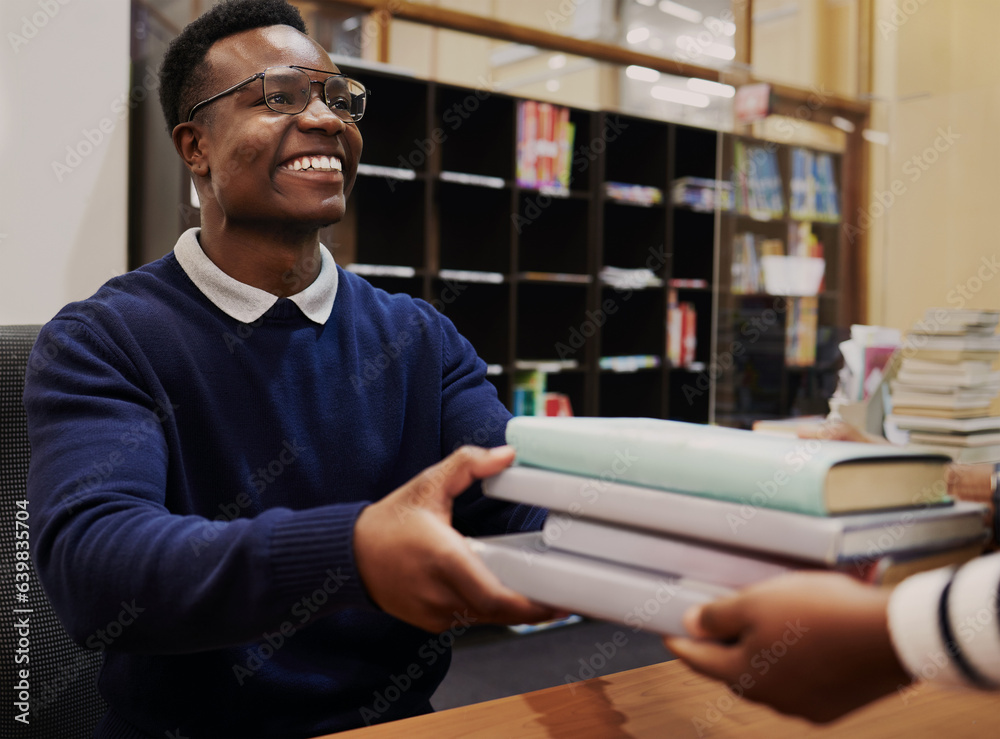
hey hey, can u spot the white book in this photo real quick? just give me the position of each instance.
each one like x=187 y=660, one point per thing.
x=966 y=367
x=642 y=599
x=950 y=439
x=960 y=425
x=957 y=401
x=968 y=342
x=901 y=386
x=649 y=550
x=966 y=380
x=825 y=540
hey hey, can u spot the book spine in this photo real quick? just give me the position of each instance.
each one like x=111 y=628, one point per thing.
x=591 y=587
x=659 y=552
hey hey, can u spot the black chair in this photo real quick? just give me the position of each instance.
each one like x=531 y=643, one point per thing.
x=62 y=677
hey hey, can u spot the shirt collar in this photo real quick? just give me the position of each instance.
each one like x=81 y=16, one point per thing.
x=244 y=302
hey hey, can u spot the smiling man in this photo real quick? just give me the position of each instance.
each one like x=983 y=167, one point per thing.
x=279 y=538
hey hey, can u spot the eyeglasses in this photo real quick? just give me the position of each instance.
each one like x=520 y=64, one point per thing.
x=289 y=89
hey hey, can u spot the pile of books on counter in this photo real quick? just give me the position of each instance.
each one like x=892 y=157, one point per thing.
x=648 y=517
x=944 y=393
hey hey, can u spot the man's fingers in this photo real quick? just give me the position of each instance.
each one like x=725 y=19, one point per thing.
x=450 y=477
x=721 y=620
x=718 y=661
x=490 y=599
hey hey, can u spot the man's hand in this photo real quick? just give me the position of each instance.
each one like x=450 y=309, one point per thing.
x=418 y=568
x=811 y=644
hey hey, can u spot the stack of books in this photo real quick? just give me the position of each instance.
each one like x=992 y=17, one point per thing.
x=648 y=517
x=813 y=187
x=544 y=147
x=682 y=331
x=945 y=389
x=757 y=187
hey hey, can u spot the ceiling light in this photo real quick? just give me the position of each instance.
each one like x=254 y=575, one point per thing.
x=711 y=88
x=637 y=35
x=717 y=25
x=557 y=61
x=842 y=123
x=643 y=74
x=680 y=11
x=684 y=97
x=693 y=47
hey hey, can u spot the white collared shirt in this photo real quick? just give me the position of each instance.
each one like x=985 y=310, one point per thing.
x=244 y=302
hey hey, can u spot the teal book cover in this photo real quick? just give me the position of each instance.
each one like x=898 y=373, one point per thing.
x=800 y=475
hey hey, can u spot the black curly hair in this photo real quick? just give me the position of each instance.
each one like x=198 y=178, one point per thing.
x=184 y=74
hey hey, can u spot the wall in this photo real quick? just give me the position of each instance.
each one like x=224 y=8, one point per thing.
x=63 y=75
x=933 y=213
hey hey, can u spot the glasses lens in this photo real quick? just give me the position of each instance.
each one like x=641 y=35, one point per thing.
x=286 y=90
x=346 y=97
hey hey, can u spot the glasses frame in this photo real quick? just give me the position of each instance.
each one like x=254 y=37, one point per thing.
x=260 y=76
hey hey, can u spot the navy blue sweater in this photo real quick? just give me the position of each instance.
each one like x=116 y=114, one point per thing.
x=194 y=486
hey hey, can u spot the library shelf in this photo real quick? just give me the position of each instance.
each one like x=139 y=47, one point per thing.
x=526 y=274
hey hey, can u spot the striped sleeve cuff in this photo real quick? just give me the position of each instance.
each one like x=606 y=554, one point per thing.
x=944 y=626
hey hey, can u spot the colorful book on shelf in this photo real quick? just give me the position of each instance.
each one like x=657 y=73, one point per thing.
x=544 y=146
x=801 y=330
x=593 y=587
x=682 y=331
x=816 y=477
x=757 y=182
x=624 y=192
x=824 y=541
x=722 y=565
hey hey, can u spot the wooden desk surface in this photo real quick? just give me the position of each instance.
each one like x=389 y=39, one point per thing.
x=669 y=700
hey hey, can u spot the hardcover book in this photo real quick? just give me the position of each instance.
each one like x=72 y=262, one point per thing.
x=814 y=477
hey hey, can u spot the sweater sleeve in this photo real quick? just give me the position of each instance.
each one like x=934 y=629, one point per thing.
x=471 y=413
x=943 y=624
x=107 y=542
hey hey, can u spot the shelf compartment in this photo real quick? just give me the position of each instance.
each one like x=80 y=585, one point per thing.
x=552 y=234
x=693 y=244
x=694 y=152
x=634 y=238
x=688 y=395
x=637 y=151
x=571 y=384
x=635 y=322
x=465 y=243
x=395 y=140
x=552 y=320
x=382 y=239
x=476 y=131
x=638 y=394
x=480 y=313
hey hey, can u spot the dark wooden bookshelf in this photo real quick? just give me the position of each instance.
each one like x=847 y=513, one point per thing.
x=519 y=271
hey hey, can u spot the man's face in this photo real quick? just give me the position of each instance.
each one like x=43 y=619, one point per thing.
x=250 y=148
